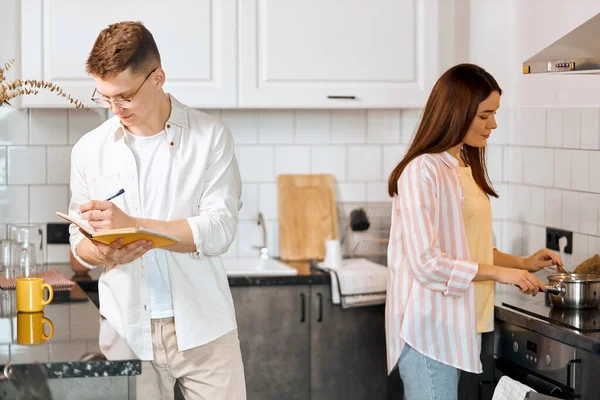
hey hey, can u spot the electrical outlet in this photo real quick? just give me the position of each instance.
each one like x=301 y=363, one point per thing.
x=552 y=236
x=57 y=233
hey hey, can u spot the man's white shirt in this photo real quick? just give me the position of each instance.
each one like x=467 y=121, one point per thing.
x=202 y=186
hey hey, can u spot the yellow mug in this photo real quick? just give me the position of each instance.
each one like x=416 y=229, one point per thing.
x=30 y=328
x=30 y=294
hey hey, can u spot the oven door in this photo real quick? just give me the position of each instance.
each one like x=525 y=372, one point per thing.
x=542 y=385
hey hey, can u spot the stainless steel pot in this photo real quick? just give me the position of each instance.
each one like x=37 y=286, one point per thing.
x=574 y=291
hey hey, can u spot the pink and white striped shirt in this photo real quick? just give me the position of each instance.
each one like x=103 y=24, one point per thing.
x=430 y=297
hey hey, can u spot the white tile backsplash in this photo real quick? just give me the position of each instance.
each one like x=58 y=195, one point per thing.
x=267 y=200
x=350 y=192
x=554 y=121
x=542 y=162
x=562 y=170
x=58 y=164
x=276 y=127
x=81 y=122
x=392 y=155
x=243 y=125
x=589 y=128
x=44 y=201
x=348 y=126
x=410 y=119
x=572 y=128
x=494 y=160
x=553 y=208
x=537 y=206
x=364 y=163
x=383 y=126
x=26 y=165
x=13 y=126
x=14 y=204
x=513 y=164
x=256 y=163
x=580 y=170
x=3 y=164
x=329 y=159
x=48 y=126
x=594 y=171
x=588 y=213
x=377 y=192
x=570 y=210
x=313 y=126
x=292 y=160
x=249 y=201
x=530 y=126
x=538 y=166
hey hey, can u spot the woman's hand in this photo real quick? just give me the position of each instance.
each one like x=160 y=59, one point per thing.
x=542 y=258
x=526 y=281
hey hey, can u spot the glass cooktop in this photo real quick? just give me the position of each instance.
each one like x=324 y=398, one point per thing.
x=585 y=321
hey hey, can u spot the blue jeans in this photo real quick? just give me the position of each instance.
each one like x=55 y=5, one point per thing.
x=426 y=379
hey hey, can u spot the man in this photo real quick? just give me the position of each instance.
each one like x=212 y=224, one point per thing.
x=179 y=176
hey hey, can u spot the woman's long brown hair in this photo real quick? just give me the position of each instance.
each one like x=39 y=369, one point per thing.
x=450 y=109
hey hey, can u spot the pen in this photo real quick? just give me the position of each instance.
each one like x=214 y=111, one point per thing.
x=120 y=192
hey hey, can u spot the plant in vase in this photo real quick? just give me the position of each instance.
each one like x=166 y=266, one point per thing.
x=20 y=87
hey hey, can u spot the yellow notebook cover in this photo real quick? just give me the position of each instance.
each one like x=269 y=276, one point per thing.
x=129 y=234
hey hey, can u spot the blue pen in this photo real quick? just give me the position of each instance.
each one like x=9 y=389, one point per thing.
x=120 y=192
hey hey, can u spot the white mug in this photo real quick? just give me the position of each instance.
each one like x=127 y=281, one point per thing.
x=333 y=254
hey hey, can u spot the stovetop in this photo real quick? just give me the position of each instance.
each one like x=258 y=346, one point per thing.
x=585 y=321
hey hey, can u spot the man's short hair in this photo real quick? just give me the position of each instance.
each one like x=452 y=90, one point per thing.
x=120 y=46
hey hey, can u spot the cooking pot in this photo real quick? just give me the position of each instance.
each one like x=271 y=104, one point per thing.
x=574 y=291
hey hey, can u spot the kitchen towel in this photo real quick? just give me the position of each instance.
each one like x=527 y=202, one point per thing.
x=358 y=282
x=51 y=277
x=509 y=389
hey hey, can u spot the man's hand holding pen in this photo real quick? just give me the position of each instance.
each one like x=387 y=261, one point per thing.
x=104 y=215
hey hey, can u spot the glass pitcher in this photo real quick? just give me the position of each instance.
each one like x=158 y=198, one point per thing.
x=28 y=245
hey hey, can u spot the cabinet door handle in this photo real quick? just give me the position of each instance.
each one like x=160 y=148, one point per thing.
x=320 y=317
x=341 y=97
x=302 y=307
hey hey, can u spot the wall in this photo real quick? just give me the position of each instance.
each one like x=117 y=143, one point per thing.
x=551 y=140
x=359 y=147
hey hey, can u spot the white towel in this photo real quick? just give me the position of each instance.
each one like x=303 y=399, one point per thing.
x=358 y=282
x=509 y=389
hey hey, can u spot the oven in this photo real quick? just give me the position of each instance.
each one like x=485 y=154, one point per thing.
x=549 y=367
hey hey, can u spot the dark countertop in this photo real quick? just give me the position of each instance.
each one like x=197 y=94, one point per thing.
x=306 y=276
x=74 y=350
x=511 y=295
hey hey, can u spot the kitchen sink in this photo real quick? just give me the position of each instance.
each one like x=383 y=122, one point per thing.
x=256 y=267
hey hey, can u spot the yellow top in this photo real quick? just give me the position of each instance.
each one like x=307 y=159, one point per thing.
x=477 y=216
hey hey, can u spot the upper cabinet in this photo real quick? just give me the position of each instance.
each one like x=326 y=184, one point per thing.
x=285 y=53
x=197 y=40
x=337 y=54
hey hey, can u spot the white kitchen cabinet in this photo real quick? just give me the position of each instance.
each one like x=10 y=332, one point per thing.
x=338 y=53
x=197 y=40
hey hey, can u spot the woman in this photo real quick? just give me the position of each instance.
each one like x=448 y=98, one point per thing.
x=441 y=240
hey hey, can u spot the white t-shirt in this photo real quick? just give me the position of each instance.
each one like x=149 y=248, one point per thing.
x=154 y=162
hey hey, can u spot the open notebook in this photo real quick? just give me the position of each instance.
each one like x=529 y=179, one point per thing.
x=129 y=234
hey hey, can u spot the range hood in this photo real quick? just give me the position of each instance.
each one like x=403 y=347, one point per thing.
x=576 y=52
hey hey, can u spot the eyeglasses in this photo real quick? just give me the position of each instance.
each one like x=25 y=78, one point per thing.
x=121 y=103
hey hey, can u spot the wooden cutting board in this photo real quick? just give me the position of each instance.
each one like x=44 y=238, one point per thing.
x=307 y=215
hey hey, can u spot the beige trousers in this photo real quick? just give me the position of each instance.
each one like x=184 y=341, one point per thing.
x=213 y=371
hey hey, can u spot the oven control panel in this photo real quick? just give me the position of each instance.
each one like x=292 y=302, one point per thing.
x=533 y=351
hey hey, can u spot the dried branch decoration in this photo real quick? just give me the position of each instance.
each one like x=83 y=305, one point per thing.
x=19 y=87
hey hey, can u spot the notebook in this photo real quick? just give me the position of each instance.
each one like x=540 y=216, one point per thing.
x=128 y=234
